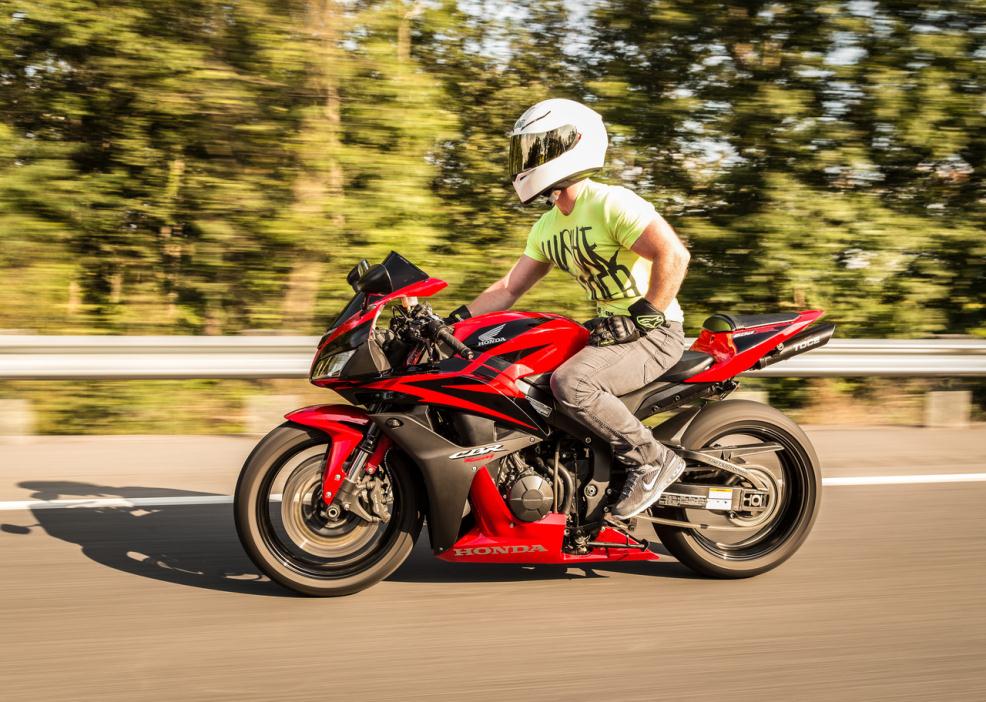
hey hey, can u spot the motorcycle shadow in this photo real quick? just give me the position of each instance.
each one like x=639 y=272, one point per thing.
x=193 y=545
x=197 y=546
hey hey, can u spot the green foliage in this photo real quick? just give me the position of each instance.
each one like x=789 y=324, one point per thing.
x=137 y=407
x=202 y=167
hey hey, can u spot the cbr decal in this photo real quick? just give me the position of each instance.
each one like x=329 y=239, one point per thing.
x=468 y=453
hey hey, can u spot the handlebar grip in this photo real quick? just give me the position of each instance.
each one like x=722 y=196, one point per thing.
x=445 y=334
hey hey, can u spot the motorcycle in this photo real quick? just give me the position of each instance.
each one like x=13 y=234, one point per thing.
x=456 y=424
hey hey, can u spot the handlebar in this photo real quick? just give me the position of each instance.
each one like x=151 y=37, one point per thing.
x=444 y=333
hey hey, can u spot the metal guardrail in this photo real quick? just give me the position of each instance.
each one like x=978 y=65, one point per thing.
x=256 y=357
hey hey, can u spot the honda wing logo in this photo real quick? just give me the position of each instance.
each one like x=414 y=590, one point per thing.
x=490 y=335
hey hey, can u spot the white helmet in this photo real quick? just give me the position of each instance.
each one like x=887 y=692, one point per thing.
x=554 y=144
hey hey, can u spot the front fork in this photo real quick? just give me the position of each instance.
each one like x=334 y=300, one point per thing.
x=341 y=485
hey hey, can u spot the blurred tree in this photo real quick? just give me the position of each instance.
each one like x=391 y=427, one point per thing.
x=795 y=144
x=162 y=125
x=206 y=167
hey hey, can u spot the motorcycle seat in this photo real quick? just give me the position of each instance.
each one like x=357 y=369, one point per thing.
x=726 y=321
x=691 y=363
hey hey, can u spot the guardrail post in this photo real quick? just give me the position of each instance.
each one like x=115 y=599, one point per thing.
x=947 y=408
x=264 y=412
x=16 y=420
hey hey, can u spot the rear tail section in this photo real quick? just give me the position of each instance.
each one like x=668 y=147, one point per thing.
x=740 y=343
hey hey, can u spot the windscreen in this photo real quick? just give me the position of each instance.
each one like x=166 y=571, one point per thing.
x=402 y=273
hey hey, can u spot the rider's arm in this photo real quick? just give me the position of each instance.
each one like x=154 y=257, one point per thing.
x=508 y=289
x=660 y=244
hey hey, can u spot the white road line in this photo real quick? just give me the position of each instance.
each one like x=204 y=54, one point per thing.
x=95 y=503
x=905 y=479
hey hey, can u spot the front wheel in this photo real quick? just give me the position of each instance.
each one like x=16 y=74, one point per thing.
x=289 y=534
x=747 y=544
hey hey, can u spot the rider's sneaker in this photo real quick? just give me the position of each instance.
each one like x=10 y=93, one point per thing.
x=644 y=486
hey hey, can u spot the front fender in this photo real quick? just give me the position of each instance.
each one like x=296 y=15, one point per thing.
x=346 y=426
x=325 y=417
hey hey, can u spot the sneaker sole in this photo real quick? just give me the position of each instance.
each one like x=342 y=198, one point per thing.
x=659 y=490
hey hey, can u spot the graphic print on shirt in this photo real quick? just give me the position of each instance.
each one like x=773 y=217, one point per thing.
x=604 y=278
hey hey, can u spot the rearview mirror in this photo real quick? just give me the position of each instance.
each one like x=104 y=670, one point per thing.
x=375 y=280
x=358 y=271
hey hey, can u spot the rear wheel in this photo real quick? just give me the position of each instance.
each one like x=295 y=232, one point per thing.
x=747 y=544
x=296 y=541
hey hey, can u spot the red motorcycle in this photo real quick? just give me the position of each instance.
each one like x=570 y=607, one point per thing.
x=457 y=424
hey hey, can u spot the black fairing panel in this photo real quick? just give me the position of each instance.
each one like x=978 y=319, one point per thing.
x=488 y=336
x=477 y=391
x=447 y=480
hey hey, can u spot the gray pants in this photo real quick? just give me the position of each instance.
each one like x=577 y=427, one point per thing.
x=586 y=387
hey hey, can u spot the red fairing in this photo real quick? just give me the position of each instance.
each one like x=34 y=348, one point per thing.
x=549 y=342
x=729 y=361
x=499 y=537
x=344 y=425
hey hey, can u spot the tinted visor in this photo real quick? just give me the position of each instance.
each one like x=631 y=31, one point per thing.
x=531 y=150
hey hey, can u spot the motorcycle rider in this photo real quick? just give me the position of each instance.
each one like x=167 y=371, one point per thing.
x=629 y=261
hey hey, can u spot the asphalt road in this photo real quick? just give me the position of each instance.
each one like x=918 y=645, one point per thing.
x=886 y=600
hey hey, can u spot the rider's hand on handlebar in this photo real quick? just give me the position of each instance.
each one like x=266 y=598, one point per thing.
x=457 y=315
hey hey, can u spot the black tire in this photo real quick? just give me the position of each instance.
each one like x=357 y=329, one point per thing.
x=276 y=560
x=796 y=515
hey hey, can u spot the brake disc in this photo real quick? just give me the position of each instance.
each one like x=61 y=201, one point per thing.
x=308 y=525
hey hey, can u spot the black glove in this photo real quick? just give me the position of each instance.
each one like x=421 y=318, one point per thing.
x=458 y=314
x=622 y=329
x=646 y=316
x=614 y=330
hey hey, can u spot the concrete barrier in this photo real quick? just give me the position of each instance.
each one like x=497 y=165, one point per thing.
x=947 y=408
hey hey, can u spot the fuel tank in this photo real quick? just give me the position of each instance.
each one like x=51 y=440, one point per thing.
x=526 y=343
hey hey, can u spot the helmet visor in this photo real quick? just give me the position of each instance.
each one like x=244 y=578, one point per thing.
x=529 y=151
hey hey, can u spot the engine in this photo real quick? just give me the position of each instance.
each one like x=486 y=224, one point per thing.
x=527 y=492
x=530 y=497
x=532 y=492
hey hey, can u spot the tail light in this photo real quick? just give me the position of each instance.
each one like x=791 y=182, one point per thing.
x=719 y=345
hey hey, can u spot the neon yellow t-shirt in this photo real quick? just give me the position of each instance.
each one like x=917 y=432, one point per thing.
x=593 y=242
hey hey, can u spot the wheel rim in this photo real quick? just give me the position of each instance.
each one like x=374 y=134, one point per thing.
x=302 y=536
x=788 y=472
x=309 y=526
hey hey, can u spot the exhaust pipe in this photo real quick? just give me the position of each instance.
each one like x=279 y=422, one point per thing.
x=799 y=343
